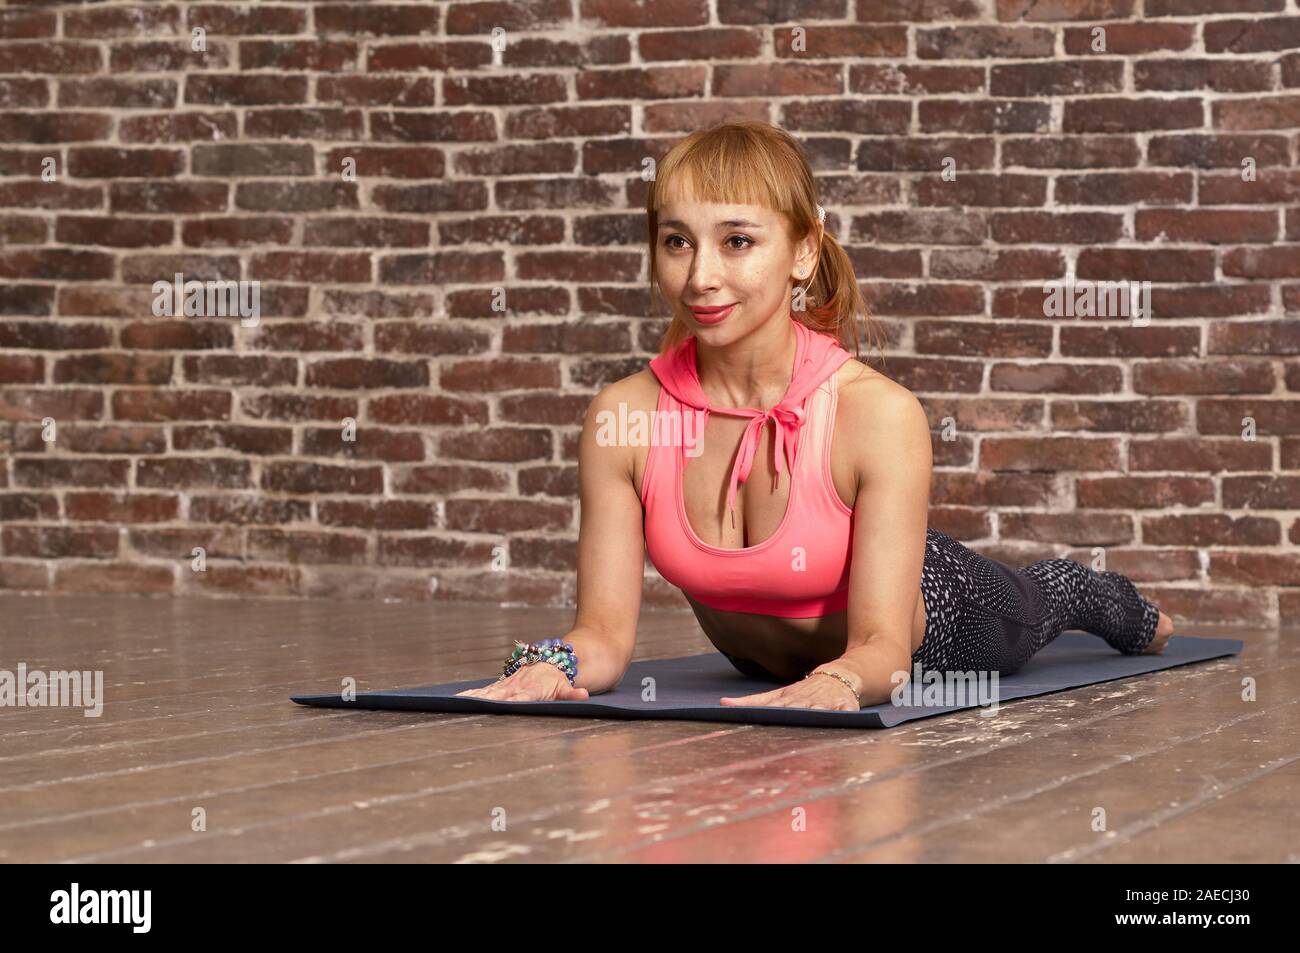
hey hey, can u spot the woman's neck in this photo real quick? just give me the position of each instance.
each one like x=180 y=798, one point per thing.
x=753 y=371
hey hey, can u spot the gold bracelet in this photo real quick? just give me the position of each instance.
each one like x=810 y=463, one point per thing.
x=842 y=679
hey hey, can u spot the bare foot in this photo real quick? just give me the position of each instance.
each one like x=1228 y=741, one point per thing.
x=1164 y=629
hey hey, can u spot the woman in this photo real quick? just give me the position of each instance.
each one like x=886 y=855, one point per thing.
x=823 y=576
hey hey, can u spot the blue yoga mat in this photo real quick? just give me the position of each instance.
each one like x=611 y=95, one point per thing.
x=688 y=688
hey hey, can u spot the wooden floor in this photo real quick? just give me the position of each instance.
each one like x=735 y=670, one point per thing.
x=197 y=716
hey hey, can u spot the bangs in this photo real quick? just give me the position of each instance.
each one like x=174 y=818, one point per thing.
x=729 y=169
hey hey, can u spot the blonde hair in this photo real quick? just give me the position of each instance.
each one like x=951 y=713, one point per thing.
x=750 y=162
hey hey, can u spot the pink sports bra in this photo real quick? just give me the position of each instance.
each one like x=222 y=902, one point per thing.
x=801 y=570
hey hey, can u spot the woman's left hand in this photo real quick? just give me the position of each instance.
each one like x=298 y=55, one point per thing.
x=815 y=691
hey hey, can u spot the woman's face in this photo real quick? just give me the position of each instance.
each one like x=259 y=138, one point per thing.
x=710 y=255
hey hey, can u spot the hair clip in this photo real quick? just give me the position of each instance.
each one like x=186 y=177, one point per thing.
x=821 y=214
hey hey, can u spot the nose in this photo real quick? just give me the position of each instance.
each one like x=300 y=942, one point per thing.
x=706 y=271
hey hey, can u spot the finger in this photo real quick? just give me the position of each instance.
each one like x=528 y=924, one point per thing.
x=762 y=698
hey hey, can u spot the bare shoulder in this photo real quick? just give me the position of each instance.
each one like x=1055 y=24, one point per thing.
x=879 y=412
x=868 y=398
x=636 y=392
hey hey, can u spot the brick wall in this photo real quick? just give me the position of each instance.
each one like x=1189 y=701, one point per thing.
x=1170 y=155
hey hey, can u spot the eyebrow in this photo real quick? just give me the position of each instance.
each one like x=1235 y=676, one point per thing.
x=729 y=223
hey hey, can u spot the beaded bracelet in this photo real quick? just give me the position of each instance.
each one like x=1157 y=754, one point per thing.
x=555 y=651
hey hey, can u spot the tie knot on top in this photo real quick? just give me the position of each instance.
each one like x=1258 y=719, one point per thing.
x=817 y=356
x=785 y=415
x=788 y=419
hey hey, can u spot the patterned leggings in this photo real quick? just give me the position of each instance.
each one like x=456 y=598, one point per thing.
x=982 y=615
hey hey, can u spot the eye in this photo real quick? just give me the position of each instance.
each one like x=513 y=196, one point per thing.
x=668 y=242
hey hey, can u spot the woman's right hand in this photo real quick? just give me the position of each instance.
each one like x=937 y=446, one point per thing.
x=536 y=682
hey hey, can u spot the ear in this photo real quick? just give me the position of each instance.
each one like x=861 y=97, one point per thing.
x=806 y=252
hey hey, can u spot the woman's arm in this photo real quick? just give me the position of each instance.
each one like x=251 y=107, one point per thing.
x=611 y=548
x=893 y=460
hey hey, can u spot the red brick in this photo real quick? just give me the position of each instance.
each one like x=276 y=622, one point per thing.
x=303 y=477
x=219 y=19
x=22 y=230
x=1049 y=453
x=53 y=127
x=178 y=127
x=113 y=577
x=30 y=506
x=171 y=405
x=118 y=93
x=107 y=368
x=244 y=580
x=52 y=195
x=116 y=232
x=19 y=93
x=402 y=91
x=379 y=514
x=984 y=42
x=1217 y=151
x=95 y=507
x=369 y=373
x=1203 y=377
x=245 y=90
x=1199 y=455
x=110 y=163
x=1135 y=493
x=1204 y=225
x=1044 y=376
x=1127 y=39
x=1210 y=529
x=309 y=266
x=1181 y=73
x=1258 y=35
x=412 y=162
x=200 y=472
x=50 y=57
x=168 y=56
x=168 y=197
x=64 y=472
x=22 y=369
x=507 y=516
x=370 y=443
x=237 y=231
x=1255 y=569
x=277 y=545
x=326 y=56
x=27 y=24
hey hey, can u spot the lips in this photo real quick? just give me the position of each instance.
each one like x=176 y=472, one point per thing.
x=712 y=315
